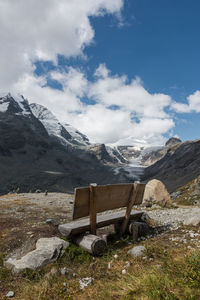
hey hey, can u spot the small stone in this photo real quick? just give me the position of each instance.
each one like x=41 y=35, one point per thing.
x=110 y=265
x=63 y=271
x=64 y=284
x=137 y=251
x=123 y=272
x=10 y=294
x=52 y=222
x=84 y=282
x=115 y=256
x=192 y=235
x=54 y=271
x=150 y=259
x=127 y=265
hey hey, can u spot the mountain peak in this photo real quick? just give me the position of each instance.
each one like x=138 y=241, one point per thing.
x=14 y=103
x=173 y=141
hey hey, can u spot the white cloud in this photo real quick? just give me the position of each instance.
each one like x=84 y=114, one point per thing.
x=40 y=30
x=123 y=113
x=193 y=104
x=115 y=90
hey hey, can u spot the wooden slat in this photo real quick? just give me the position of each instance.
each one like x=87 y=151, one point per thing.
x=140 y=194
x=107 y=197
x=93 y=214
x=81 y=203
x=136 y=197
x=79 y=226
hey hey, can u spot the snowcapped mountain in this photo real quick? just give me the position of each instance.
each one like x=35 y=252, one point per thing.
x=66 y=133
x=77 y=135
x=38 y=152
x=14 y=104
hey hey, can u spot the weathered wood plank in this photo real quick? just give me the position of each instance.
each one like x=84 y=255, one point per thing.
x=140 y=194
x=81 y=203
x=136 y=197
x=128 y=208
x=93 y=214
x=79 y=226
x=107 y=197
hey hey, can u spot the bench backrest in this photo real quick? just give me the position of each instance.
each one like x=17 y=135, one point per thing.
x=107 y=197
x=95 y=199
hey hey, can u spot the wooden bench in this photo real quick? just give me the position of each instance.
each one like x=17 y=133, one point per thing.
x=90 y=201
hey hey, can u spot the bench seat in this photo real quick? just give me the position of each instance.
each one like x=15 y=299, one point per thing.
x=82 y=225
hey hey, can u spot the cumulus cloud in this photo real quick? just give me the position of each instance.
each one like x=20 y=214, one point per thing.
x=193 y=104
x=33 y=30
x=122 y=112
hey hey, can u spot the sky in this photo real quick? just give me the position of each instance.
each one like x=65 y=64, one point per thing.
x=123 y=72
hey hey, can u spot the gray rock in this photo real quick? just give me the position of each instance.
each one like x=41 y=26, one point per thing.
x=137 y=251
x=63 y=271
x=192 y=221
x=174 y=195
x=52 y=222
x=10 y=294
x=47 y=250
x=84 y=282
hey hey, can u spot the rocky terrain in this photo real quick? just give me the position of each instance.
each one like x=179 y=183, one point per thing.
x=179 y=165
x=121 y=271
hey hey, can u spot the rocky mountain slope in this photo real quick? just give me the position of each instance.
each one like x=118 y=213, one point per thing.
x=39 y=153
x=66 y=134
x=146 y=156
x=180 y=164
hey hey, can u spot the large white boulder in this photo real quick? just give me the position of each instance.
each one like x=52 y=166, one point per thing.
x=47 y=250
x=156 y=192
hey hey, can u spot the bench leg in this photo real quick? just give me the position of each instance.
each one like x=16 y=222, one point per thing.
x=91 y=243
x=138 y=229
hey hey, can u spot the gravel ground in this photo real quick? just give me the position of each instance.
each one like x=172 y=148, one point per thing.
x=173 y=217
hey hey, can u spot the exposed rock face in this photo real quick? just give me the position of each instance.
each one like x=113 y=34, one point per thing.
x=172 y=141
x=66 y=134
x=180 y=165
x=150 y=157
x=147 y=156
x=107 y=154
x=47 y=250
x=156 y=192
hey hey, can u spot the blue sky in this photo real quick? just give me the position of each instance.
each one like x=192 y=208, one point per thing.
x=131 y=56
